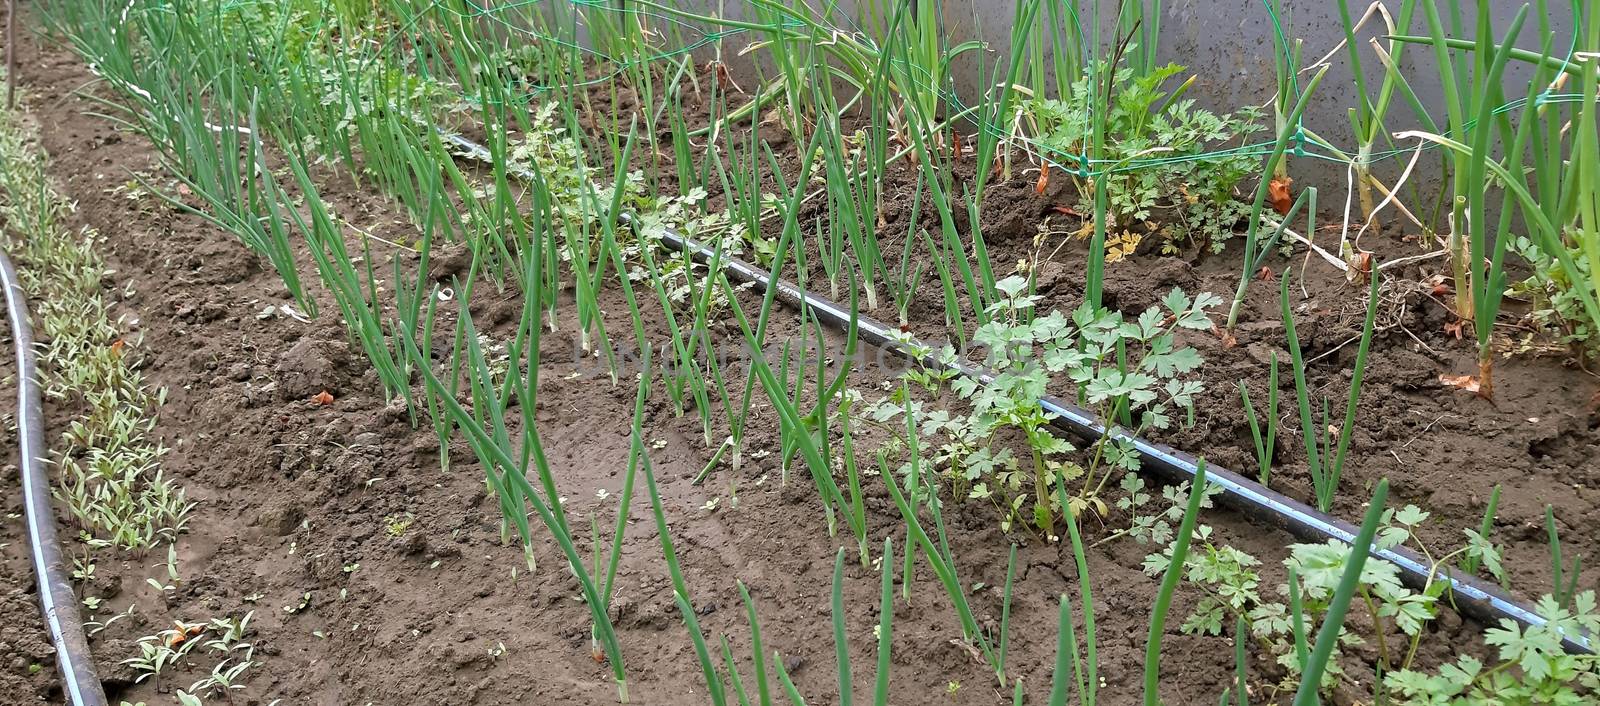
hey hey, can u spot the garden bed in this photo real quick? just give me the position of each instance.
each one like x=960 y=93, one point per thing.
x=374 y=576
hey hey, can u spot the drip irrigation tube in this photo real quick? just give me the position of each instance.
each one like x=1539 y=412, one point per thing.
x=56 y=599
x=1472 y=596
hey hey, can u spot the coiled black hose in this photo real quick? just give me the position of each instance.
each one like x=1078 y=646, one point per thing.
x=1471 y=595
x=56 y=599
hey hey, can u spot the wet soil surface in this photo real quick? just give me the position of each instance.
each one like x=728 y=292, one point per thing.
x=376 y=576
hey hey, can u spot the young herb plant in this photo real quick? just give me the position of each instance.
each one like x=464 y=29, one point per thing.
x=1132 y=372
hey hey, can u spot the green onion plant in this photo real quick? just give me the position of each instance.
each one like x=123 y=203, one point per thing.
x=1265 y=436
x=1324 y=457
x=1316 y=662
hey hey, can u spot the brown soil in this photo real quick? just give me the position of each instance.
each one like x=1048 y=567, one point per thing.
x=409 y=591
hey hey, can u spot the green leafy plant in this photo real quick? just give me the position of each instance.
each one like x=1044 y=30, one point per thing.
x=1530 y=665
x=109 y=459
x=1232 y=593
x=1151 y=518
x=1158 y=162
x=1131 y=371
x=1556 y=304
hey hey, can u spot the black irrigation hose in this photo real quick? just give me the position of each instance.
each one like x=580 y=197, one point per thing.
x=1470 y=595
x=56 y=599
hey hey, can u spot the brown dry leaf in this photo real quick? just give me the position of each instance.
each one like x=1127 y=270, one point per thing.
x=182 y=631
x=1044 y=179
x=323 y=398
x=1456 y=328
x=720 y=72
x=1362 y=261
x=1278 y=194
x=977 y=657
x=1468 y=383
x=1121 y=245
